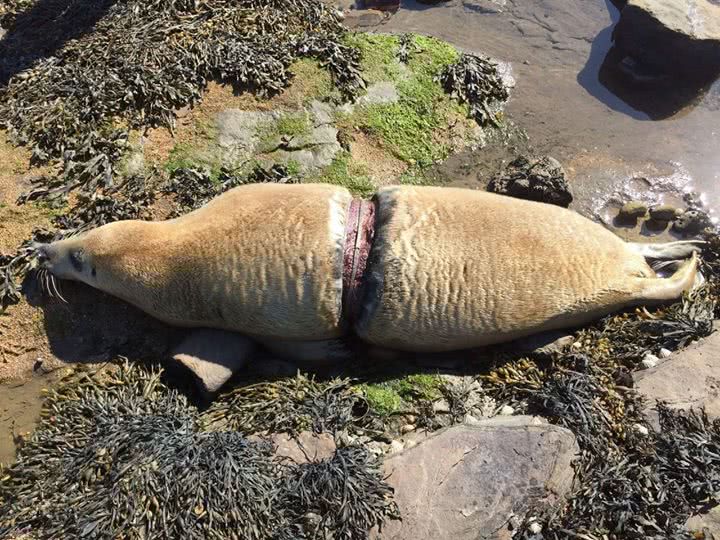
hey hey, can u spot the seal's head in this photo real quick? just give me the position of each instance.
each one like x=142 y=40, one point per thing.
x=112 y=258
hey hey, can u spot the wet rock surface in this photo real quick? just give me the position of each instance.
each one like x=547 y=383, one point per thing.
x=466 y=482
x=681 y=37
x=688 y=379
x=540 y=179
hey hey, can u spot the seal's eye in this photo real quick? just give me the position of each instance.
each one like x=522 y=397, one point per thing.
x=76 y=259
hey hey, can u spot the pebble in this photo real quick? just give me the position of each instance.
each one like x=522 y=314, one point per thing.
x=441 y=406
x=411 y=419
x=410 y=443
x=641 y=430
x=407 y=428
x=378 y=448
x=507 y=410
x=535 y=528
x=396 y=447
x=633 y=210
x=649 y=361
x=470 y=420
x=665 y=353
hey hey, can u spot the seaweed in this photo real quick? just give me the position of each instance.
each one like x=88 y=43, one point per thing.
x=119 y=453
x=290 y=405
x=475 y=80
x=139 y=64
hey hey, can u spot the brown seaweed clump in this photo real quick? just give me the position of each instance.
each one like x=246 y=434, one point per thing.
x=120 y=454
x=475 y=80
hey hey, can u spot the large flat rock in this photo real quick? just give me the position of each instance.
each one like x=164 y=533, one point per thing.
x=466 y=481
x=688 y=379
x=705 y=526
x=680 y=36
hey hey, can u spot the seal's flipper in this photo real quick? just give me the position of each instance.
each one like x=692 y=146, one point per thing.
x=670 y=251
x=671 y=288
x=213 y=356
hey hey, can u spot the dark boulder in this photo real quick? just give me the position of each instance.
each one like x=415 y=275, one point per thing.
x=677 y=37
x=540 y=179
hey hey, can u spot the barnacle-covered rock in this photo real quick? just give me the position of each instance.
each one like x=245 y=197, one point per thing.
x=539 y=179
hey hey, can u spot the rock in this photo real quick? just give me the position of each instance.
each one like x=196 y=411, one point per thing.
x=692 y=222
x=664 y=212
x=665 y=353
x=535 y=528
x=688 y=379
x=679 y=37
x=380 y=93
x=407 y=428
x=707 y=525
x=649 y=361
x=244 y=134
x=632 y=211
x=641 y=430
x=507 y=410
x=396 y=447
x=537 y=179
x=306 y=448
x=464 y=481
x=441 y=407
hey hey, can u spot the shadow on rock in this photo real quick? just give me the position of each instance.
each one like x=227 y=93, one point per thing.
x=38 y=32
x=655 y=92
x=641 y=67
x=96 y=327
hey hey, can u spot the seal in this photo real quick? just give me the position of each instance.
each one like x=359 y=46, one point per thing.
x=422 y=269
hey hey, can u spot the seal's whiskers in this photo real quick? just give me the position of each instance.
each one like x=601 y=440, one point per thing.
x=54 y=284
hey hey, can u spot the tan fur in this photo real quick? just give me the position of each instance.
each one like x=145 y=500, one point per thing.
x=449 y=268
x=454 y=269
x=263 y=259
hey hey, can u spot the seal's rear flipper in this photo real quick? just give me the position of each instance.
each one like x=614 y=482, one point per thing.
x=671 y=288
x=213 y=356
x=670 y=251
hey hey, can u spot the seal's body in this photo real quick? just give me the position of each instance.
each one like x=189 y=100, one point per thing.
x=431 y=269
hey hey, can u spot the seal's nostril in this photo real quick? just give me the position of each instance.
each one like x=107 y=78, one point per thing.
x=42 y=254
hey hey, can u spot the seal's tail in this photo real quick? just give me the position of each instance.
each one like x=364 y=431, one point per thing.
x=673 y=287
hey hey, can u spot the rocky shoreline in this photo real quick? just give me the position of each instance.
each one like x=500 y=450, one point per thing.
x=593 y=435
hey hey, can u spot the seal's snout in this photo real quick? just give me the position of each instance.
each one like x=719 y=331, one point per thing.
x=45 y=255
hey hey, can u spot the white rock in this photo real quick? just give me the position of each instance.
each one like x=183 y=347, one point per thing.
x=641 y=430
x=665 y=353
x=535 y=528
x=650 y=361
x=441 y=406
x=470 y=420
x=407 y=428
x=507 y=410
x=396 y=447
